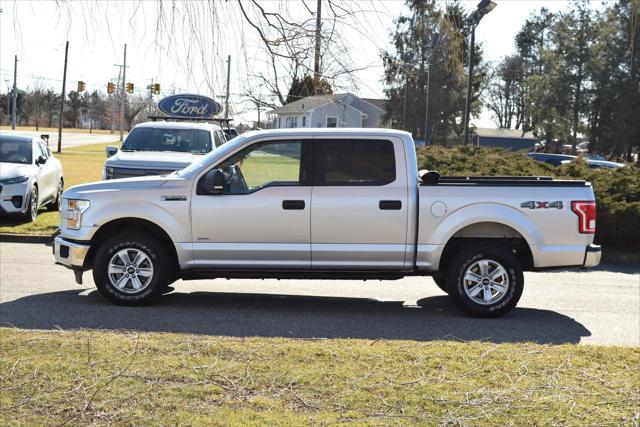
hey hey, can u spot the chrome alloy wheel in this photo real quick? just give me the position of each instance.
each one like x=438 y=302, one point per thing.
x=130 y=270
x=486 y=282
x=33 y=207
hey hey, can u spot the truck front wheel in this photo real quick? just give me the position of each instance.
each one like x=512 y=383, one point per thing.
x=485 y=281
x=131 y=269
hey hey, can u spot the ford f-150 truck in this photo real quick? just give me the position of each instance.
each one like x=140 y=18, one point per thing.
x=325 y=204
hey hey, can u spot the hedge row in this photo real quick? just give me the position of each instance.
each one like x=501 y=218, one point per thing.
x=617 y=190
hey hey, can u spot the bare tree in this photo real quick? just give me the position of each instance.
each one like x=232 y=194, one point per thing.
x=34 y=104
x=504 y=92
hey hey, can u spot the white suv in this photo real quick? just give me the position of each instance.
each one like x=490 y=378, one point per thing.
x=30 y=177
x=157 y=148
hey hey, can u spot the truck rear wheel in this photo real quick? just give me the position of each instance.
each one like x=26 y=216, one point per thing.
x=131 y=269
x=485 y=281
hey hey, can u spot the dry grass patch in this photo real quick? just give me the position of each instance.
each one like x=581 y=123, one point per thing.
x=91 y=376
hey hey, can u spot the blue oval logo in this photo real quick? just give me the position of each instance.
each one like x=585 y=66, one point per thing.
x=189 y=106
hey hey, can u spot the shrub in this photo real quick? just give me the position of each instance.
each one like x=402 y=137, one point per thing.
x=617 y=190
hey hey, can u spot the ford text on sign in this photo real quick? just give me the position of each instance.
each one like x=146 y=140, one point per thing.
x=189 y=106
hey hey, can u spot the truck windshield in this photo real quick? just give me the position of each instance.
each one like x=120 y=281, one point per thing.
x=162 y=139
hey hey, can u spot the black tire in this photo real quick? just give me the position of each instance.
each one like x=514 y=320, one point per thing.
x=54 y=206
x=467 y=260
x=32 y=205
x=441 y=282
x=133 y=243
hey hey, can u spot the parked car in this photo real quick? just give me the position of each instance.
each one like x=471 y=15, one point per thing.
x=157 y=148
x=325 y=203
x=30 y=177
x=603 y=164
x=552 y=159
x=560 y=159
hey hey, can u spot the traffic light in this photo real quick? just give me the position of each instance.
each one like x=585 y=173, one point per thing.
x=155 y=89
x=111 y=87
x=130 y=87
x=81 y=86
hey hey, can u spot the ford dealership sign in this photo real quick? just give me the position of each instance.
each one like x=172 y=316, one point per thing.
x=189 y=106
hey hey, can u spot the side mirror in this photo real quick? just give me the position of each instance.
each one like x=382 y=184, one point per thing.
x=111 y=151
x=41 y=160
x=214 y=182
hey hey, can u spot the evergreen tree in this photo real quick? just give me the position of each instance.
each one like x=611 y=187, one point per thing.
x=431 y=43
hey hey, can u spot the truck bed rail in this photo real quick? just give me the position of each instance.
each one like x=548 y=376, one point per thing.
x=431 y=179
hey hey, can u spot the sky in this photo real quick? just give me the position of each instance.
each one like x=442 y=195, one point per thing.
x=183 y=60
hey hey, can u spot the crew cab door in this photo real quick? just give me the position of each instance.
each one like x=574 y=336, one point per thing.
x=359 y=204
x=262 y=218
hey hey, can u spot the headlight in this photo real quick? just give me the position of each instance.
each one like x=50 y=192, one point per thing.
x=108 y=173
x=15 y=180
x=75 y=208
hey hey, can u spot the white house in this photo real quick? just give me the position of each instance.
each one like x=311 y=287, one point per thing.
x=329 y=111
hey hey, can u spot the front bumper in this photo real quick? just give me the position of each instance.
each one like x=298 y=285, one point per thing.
x=13 y=198
x=70 y=254
x=592 y=256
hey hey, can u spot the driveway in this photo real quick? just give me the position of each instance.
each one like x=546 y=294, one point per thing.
x=597 y=307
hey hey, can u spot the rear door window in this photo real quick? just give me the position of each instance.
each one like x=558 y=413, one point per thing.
x=354 y=162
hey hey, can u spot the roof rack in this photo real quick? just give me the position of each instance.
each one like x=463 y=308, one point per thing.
x=222 y=121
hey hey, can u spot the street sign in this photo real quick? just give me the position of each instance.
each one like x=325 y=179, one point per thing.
x=189 y=106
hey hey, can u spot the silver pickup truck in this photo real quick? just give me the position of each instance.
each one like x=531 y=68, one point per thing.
x=325 y=204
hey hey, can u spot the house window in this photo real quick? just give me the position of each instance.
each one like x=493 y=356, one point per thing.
x=304 y=121
x=332 y=121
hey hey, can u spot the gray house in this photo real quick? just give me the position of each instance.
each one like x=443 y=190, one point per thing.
x=511 y=139
x=344 y=110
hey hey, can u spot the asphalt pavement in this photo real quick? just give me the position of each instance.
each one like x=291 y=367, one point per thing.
x=69 y=139
x=600 y=306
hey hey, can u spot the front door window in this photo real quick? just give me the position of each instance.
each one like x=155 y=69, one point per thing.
x=263 y=165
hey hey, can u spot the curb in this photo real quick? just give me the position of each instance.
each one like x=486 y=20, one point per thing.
x=24 y=238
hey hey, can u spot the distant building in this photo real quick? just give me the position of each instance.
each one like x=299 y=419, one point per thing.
x=329 y=111
x=511 y=139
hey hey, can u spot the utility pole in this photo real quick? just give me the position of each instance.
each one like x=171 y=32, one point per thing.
x=467 y=104
x=64 y=88
x=426 y=107
x=484 y=7
x=14 y=95
x=113 y=102
x=226 y=98
x=124 y=78
x=316 y=62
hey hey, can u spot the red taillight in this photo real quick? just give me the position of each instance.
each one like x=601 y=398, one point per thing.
x=586 y=212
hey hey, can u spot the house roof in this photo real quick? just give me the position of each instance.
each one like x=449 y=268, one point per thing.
x=376 y=102
x=310 y=102
x=502 y=133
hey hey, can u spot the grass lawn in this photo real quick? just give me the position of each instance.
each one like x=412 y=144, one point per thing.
x=64 y=130
x=90 y=376
x=80 y=164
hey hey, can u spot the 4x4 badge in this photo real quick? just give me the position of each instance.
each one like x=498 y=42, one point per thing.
x=531 y=204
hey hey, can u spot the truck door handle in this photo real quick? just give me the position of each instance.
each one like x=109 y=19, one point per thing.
x=293 y=205
x=390 y=205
